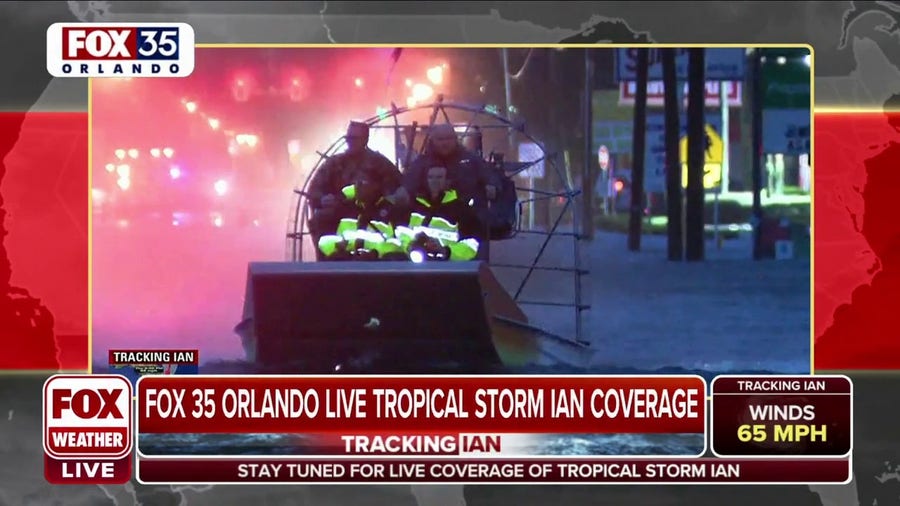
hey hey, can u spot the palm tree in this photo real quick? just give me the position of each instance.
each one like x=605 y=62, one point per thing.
x=637 y=169
x=673 y=164
x=696 y=153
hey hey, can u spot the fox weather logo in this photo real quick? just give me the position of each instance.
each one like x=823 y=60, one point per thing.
x=120 y=50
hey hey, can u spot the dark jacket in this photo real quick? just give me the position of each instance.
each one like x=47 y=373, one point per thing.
x=468 y=173
x=341 y=170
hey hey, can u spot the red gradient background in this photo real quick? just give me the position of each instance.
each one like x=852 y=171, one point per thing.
x=856 y=231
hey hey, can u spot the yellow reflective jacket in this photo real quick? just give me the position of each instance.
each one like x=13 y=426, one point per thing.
x=370 y=230
x=450 y=222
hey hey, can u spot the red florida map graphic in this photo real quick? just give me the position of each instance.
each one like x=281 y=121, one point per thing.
x=857 y=240
x=44 y=241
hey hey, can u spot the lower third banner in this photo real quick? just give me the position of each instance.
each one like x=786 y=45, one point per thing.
x=490 y=471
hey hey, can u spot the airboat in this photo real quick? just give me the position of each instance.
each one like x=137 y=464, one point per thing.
x=525 y=306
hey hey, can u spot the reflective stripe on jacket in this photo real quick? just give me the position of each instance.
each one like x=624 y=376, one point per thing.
x=359 y=241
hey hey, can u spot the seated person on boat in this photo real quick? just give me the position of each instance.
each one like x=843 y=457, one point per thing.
x=441 y=225
x=365 y=229
x=338 y=172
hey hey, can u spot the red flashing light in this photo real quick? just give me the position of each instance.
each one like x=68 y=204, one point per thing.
x=297 y=86
x=241 y=89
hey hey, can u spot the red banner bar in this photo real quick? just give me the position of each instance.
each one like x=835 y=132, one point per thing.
x=476 y=404
x=777 y=384
x=373 y=470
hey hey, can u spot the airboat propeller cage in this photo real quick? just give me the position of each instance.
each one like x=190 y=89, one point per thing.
x=505 y=321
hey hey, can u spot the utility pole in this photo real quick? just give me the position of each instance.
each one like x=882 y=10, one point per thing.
x=508 y=95
x=726 y=135
x=724 y=182
x=587 y=178
x=696 y=154
x=638 y=148
x=756 y=141
x=673 y=163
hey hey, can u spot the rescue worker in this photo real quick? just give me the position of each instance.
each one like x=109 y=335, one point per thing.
x=473 y=179
x=441 y=225
x=365 y=229
x=325 y=191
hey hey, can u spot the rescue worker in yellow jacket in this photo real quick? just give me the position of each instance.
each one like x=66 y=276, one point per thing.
x=366 y=227
x=325 y=191
x=441 y=225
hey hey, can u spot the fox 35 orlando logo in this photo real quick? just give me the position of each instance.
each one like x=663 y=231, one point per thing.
x=120 y=50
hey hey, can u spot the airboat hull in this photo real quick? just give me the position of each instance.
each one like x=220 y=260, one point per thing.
x=388 y=317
